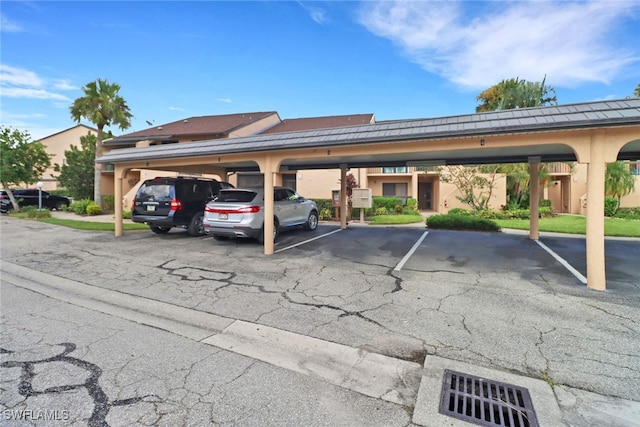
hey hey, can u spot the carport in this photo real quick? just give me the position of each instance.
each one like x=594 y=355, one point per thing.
x=593 y=133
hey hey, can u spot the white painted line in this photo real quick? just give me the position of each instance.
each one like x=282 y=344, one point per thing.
x=408 y=255
x=307 y=241
x=566 y=265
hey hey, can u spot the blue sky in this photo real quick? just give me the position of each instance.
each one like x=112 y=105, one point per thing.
x=394 y=59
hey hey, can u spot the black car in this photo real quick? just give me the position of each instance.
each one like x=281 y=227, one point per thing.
x=32 y=198
x=167 y=202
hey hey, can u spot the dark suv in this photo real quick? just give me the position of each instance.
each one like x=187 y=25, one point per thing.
x=32 y=198
x=167 y=202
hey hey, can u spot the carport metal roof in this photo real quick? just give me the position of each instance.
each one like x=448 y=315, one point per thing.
x=480 y=125
x=594 y=133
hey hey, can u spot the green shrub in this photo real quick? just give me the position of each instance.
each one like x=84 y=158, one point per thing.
x=108 y=202
x=398 y=209
x=323 y=204
x=34 y=212
x=325 y=214
x=93 y=209
x=610 y=206
x=126 y=214
x=411 y=206
x=381 y=211
x=461 y=222
x=459 y=211
x=628 y=213
x=387 y=202
x=80 y=206
x=544 y=203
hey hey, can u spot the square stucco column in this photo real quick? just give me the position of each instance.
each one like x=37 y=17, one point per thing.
x=117 y=199
x=534 y=198
x=596 y=169
x=269 y=226
x=343 y=196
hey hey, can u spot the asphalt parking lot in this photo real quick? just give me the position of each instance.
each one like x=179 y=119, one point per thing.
x=486 y=301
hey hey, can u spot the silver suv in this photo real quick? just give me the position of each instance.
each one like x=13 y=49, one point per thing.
x=239 y=212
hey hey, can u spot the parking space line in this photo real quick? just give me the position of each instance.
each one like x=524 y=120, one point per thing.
x=411 y=251
x=561 y=260
x=309 y=240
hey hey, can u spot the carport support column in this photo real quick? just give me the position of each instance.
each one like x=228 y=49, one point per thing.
x=534 y=197
x=268 y=206
x=117 y=199
x=596 y=169
x=343 y=196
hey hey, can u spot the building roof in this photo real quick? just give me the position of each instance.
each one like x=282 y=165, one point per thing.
x=310 y=123
x=207 y=127
x=68 y=129
x=526 y=120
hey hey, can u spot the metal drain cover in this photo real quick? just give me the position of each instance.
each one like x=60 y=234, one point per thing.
x=486 y=402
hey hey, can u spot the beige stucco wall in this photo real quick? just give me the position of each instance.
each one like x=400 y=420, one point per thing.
x=56 y=145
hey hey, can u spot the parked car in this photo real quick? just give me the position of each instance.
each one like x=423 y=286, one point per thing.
x=167 y=202
x=240 y=213
x=32 y=198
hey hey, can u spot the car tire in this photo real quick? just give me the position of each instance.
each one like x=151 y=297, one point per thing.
x=312 y=222
x=195 y=227
x=220 y=237
x=160 y=230
x=59 y=206
x=275 y=232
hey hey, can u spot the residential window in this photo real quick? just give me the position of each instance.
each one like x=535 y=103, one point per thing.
x=390 y=189
x=398 y=169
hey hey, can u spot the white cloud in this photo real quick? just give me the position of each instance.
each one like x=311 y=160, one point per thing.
x=318 y=14
x=19 y=92
x=176 y=109
x=18 y=77
x=225 y=100
x=569 y=42
x=8 y=26
x=63 y=85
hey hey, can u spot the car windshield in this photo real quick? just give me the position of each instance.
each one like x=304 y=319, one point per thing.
x=155 y=191
x=234 y=196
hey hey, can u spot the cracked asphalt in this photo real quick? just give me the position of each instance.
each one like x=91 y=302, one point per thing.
x=490 y=300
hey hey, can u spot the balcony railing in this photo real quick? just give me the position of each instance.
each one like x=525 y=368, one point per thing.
x=401 y=170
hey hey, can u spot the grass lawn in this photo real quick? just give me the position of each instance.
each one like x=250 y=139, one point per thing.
x=96 y=226
x=396 y=219
x=572 y=224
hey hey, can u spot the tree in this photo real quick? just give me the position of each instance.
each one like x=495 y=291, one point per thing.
x=475 y=183
x=516 y=93
x=636 y=92
x=102 y=106
x=21 y=160
x=618 y=180
x=78 y=173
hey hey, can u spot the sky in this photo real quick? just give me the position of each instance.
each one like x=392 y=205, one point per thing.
x=395 y=59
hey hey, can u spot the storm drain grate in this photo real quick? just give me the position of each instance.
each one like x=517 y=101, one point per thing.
x=486 y=402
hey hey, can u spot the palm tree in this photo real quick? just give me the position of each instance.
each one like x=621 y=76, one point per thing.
x=102 y=106
x=618 y=180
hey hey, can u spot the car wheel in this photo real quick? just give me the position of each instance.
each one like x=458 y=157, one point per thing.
x=59 y=206
x=160 y=230
x=220 y=237
x=275 y=232
x=312 y=222
x=195 y=227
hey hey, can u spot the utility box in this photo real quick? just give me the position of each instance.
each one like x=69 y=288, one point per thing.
x=361 y=198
